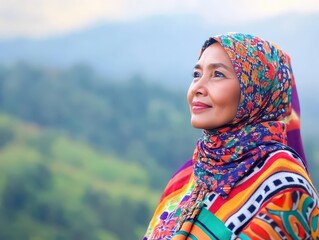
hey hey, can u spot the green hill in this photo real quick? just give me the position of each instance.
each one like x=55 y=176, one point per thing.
x=138 y=120
x=52 y=187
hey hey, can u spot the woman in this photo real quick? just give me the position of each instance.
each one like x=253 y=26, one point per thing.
x=248 y=177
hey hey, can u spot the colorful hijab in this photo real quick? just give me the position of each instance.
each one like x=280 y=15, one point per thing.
x=267 y=120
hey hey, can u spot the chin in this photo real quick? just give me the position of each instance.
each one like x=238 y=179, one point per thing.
x=205 y=126
x=198 y=125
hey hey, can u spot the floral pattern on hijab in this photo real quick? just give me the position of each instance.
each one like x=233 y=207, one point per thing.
x=265 y=77
x=260 y=66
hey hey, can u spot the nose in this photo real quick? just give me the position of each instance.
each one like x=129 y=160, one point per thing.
x=199 y=87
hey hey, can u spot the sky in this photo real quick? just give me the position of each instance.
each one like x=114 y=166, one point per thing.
x=39 y=18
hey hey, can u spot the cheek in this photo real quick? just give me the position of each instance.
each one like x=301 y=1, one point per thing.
x=227 y=95
x=189 y=95
x=221 y=95
x=235 y=100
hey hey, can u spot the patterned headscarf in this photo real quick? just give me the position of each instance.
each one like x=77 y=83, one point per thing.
x=268 y=109
x=242 y=64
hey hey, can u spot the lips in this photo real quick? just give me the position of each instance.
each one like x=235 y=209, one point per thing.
x=200 y=106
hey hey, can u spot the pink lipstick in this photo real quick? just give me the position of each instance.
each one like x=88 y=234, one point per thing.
x=199 y=106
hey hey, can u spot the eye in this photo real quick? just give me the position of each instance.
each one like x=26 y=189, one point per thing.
x=196 y=74
x=219 y=74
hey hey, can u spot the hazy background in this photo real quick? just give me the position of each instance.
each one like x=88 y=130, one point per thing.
x=93 y=114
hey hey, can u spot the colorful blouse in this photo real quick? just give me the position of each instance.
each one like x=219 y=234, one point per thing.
x=277 y=200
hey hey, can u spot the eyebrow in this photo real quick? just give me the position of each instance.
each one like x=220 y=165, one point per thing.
x=213 y=65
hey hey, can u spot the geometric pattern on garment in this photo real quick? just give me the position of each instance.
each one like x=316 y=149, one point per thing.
x=272 y=185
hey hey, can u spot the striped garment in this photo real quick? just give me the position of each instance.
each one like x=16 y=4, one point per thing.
x=276 y=201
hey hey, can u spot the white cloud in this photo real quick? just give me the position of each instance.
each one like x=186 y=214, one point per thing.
x=228 y=10
x=43 y=17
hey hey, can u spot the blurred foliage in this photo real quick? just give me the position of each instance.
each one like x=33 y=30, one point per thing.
x=52 y=187
x=87 y=158
x=142 y=122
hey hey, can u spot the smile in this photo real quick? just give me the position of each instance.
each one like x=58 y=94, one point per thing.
x=199 y=106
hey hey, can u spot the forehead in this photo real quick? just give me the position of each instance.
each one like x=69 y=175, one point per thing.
x=214 y=54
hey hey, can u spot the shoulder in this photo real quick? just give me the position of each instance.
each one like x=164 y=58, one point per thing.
x=284 y=160
x=279 y=164
x=179 y=179
x=279 y=171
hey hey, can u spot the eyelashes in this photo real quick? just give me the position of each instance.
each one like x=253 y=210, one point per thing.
x=216 y=74
x=196 y=74
x=219 y=74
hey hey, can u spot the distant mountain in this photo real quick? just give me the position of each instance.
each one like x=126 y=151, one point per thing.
x=162 y=48
x=165 y=48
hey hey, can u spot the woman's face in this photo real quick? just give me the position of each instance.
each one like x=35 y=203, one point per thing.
x=214 y=94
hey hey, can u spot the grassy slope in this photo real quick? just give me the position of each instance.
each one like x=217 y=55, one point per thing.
x=74 y=168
